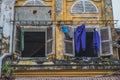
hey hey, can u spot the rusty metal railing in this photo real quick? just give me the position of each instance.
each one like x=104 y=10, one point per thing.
x=65 y=22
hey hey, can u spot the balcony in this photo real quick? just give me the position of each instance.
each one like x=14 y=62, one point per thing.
x=80 y=64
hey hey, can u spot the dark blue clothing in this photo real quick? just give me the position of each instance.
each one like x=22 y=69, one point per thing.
x=64 y=29
x=96 y=41
x=80 y=38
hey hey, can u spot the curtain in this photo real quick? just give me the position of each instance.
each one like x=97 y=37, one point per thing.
x=22 y=38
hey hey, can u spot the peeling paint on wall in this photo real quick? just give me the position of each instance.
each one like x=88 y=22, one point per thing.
x=7 y=12
x=5 y=45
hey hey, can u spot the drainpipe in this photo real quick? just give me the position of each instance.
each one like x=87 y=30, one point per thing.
x=10 y=50
x=10 y=47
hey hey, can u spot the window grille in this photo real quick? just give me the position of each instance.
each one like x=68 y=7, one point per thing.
x=84 y=6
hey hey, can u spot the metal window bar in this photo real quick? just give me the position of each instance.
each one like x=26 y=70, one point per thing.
x=65 y=22
x=33 y=23
x=94 y=22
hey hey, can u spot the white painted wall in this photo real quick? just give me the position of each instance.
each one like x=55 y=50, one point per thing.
x=116 y=11
x=7 y=9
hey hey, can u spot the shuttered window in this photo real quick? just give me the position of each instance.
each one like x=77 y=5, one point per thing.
x=17 y=40
x=49 y=41
x=69 y=46
x=84 y=6
x=106 y=41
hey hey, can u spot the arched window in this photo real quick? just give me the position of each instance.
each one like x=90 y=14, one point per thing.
x=84 y=6
x=34 y=3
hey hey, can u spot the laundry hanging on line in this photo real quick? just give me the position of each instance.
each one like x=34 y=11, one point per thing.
x=96 y=41
x=64 y=29
x=68 y=31
x=80 y=38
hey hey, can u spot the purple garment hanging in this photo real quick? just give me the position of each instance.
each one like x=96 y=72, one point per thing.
x=80 y=38
x=96 y=41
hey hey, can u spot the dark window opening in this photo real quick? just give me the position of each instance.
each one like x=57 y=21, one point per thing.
x=89 y=48
x=34 y=44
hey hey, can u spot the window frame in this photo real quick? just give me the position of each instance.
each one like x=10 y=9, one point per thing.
x=28 y=1
x=53 y=31
x=34 y=29
x=109 y=40
x=100 y=52
x=68 y=54
x=84 y=9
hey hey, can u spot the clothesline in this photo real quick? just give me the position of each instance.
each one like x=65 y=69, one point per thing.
x=88 y=22
x=80 y=39
x=65 y=22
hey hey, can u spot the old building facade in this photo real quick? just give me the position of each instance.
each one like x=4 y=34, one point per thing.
x=32 y=28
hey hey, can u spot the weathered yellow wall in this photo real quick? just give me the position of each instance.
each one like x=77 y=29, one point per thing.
x=66 y=15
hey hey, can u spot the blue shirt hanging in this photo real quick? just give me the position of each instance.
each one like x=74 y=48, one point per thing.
x=96 y=41
x=80 y=38
x=64 y=29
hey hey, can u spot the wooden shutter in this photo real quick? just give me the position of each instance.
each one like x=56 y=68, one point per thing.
x=106 y=42
x=69 y=48
x=17 y=40
x=49 y=41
